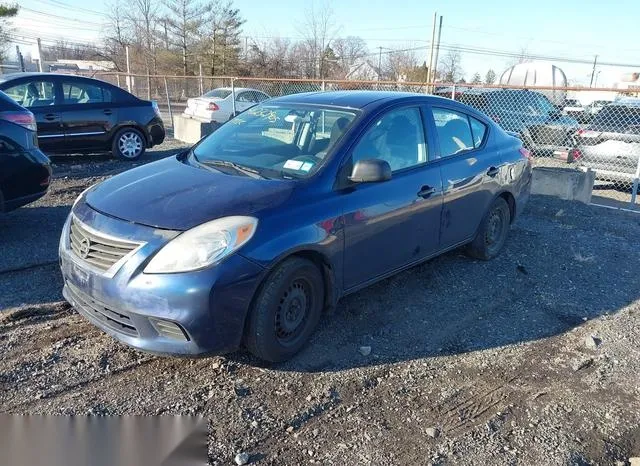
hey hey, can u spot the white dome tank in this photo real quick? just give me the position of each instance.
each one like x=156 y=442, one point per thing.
x=537 y=74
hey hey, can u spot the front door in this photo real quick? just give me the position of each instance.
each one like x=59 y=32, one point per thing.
x=470 y=174
x=38 y=95
x=391 y=224
x=88 y=115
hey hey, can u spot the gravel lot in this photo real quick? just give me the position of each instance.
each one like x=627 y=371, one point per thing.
x=532 y=358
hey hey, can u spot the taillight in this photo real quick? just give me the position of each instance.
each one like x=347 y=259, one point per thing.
x=573 y=155
x=213 y=107
x=24 y=118
x=526 y=154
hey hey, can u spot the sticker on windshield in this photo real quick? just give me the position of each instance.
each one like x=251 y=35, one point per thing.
x=306 y=166
x=293 y=164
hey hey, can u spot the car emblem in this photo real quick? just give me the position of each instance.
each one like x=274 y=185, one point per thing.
x=84 y=248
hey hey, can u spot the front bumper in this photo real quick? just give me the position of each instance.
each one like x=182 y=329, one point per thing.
x=209 y=305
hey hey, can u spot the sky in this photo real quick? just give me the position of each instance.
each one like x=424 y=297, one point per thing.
x=551 y=28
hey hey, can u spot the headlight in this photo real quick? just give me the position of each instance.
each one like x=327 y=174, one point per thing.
x=203 y=245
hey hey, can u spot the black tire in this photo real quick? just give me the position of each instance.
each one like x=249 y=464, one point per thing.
x=286 y=310
x=493 y=232
x=129 y=144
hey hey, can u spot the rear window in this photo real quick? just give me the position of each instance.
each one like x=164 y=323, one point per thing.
x=617 y=116
x=218 y=93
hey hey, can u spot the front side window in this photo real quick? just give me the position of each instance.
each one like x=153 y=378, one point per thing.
x=274 y=141
x=84 y=93
x=32 y=93
x=244 y=97
x=454 y=132
x=397 y=138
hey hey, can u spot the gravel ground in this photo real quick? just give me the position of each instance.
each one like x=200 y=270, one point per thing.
x=531 y=358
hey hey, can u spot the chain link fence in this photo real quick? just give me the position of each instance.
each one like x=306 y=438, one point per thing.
x=583 y=128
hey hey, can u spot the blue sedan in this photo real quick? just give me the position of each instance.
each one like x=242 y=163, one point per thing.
x=249 y=236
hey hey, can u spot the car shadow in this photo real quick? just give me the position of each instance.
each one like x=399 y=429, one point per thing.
x=557 y=272
x=29 y=239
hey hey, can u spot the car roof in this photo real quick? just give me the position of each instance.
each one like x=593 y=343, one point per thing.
x=627 y=102
x=349 y=99
x=28 y=74
x=237 y=89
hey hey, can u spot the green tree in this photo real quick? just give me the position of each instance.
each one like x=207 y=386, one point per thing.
x=490 y=77
x=6 y=12
x=476 y=79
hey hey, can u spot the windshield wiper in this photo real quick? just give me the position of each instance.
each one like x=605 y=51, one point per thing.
x=236 y=166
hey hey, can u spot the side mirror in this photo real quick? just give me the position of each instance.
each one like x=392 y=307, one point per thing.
x=370 y=171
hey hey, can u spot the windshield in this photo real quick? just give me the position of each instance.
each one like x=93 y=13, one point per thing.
x=219 y=93
x=275 y=141
x=617 y=116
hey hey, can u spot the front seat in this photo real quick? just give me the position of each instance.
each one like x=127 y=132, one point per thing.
x=400 y=147
x=336 y=131
x=33 y=95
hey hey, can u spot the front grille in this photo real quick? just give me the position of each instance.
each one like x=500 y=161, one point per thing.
x=99 y=251
x=117 y=320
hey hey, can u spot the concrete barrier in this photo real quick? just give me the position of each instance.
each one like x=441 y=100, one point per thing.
x=566 y=183
x=191 y=130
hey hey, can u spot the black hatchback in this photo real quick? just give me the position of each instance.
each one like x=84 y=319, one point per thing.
x=76 y=114
x=25 y=172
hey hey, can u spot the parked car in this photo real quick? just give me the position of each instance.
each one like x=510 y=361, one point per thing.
x=80 y=115
x=217 y=105
x=544 y=130
x=248 y=236
x=450 y=92
x=610 y=145
x=594 y=107
x=25 y=172
x=574 y=108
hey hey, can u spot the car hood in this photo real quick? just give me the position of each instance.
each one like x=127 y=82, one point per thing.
x=172 y=195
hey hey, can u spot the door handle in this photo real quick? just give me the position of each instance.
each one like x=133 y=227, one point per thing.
x=107 y=111
x=426 y=191
x=493 y=171
x=51 y=117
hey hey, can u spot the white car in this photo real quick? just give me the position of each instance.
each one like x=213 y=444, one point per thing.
x=217 y=104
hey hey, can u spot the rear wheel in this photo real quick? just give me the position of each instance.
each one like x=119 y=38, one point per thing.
x=128 y=144
x=286 y=310
x=493 y=231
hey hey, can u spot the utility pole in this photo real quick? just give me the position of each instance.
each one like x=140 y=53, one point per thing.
x=20 y=58
x=126 y=49
x=593 y=71
x=433 y=39
x=379 y=63
x=433 y=75
x=39 y=55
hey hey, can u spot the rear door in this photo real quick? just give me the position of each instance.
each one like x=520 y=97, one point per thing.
x=470 y=173
x=88 y=114
x=40 y=95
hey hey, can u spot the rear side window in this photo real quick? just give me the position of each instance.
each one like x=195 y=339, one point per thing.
x=218 y=93
x=454 y=132
x=32 y=94
x=478 y=131
x=84 y=93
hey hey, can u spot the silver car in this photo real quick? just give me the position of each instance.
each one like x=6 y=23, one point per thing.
x=610 y=145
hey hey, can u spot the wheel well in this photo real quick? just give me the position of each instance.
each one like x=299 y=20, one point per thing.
x=511 y=202
x=330 y=294
x=142 y=131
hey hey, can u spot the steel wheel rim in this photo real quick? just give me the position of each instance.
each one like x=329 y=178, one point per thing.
x=495 y=229
x=293 y=312
x=130 y=144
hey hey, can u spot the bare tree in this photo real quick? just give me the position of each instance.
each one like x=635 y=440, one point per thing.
x=451 y=67
x=476 y=79
x=522 y=56
x=318 y=29
x=399 y=64
x=349 y=50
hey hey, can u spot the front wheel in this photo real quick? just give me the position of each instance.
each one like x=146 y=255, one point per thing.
x=493 y=231
x=128 y=144
x=286 y=310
